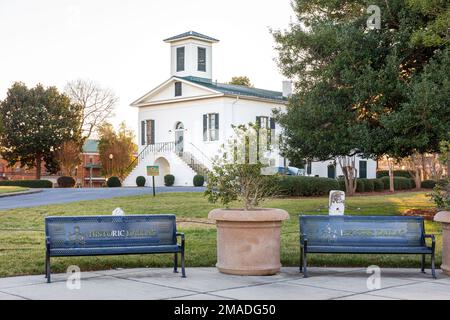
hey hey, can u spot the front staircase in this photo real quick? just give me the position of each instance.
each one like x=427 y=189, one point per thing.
x=194 y=160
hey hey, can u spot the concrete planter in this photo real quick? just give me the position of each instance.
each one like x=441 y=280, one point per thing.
x=248 y=242
x=444 y=218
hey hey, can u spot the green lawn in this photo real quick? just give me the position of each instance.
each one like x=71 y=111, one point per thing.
x=11 y=189
x=22 y=231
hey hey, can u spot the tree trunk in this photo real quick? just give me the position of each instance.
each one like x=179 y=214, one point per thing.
x=417 y=179
x=391 y=175
x=38 y=166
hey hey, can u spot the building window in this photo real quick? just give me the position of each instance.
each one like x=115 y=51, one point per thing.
x=267 y=123
x=201 y=59
x=147 y=132
x=178 y=89
x=363 y=169
x=180 y=59
x=211 y=127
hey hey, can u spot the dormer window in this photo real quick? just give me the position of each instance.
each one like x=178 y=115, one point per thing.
x=180 y=59
x=178 y=89
x=201 y=59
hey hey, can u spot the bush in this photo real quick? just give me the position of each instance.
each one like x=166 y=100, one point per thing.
x=400 y=183
x=199 y=180
x=66 y=182
x=428 y=184
x=169 y=180
x=369 y=185
x=341 y=184
x=378 y=185
x=113 y=182
x=28 y=183
x=140 y=181
x=360 y=186
x=306 y=186
x=397 y=173
x=413 y=183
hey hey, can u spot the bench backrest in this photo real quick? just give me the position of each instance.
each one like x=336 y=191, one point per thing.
x=362 y=230
x=110 y=231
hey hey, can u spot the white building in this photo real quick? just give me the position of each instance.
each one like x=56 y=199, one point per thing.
x=184 y=120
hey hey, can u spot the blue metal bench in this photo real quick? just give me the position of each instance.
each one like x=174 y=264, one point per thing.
x=364 y=235
x=112 y=235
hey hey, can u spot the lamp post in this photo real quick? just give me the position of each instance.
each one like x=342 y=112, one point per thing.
x=111 y=157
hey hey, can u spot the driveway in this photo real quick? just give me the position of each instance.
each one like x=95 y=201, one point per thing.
x=53 y=196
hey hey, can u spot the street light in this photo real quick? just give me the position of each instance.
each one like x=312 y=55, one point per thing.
x=111 y=156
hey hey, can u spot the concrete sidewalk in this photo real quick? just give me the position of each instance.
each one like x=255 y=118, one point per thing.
x=207 y=283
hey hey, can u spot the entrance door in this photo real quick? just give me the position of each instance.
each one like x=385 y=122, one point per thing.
x=179 y=137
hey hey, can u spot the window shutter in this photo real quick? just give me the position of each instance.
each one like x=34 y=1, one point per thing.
x=216 y=126
x=143 y=133
x=258 y=122
x=205 y=127
x=363 y=169
x=309 y=168
x=201 y=59
x=180 y=59
x=153 y=132
x=272 y=123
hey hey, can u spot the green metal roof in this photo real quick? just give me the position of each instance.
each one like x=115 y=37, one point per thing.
x=237 y=90
x=191 y=34
x=90 y=146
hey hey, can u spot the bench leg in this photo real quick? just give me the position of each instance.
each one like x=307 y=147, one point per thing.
x=305 y=262
x=423 y=263
x=301 y=259
x=47 y=268
x=183 y=272
x=433 y=272
x=175 y=263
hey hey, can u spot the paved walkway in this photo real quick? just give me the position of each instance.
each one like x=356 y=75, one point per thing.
x=207 y=283
x=64 y=195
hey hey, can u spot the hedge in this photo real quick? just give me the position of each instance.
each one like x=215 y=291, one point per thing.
x=66 y=182
x=140 y=181
x=397 y=173
x=169 y=180
x=27 y=183
x=198 y=180
x=400 y=183
x=306 y=186
x=113 y=182
x=428 y=184
x=378 y=185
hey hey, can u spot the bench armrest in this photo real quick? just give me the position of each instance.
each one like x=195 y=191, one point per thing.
x=303 y=238
x=181 y=235
x=433 y=240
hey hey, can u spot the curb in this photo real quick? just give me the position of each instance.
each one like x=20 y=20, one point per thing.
x=19 y=193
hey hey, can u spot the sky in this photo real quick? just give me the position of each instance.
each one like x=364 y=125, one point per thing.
x=119 y=44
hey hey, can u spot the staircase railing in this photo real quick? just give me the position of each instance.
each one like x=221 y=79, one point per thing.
x=193 y=163
x=151 y=148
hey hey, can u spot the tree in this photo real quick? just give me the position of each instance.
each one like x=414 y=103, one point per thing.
x=97 y=104
x=69 y=157
x=35 y=123
x=118 y=144
x=361 y=91
x=241 y=81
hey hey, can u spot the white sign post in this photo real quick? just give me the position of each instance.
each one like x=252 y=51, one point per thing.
x=336 y=203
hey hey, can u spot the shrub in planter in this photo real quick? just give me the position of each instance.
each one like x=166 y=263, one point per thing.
x=248 y=238
x=378 y=184
x=428 y=184
x=199 y=180
x=113 y=182
x=28 y=183
x=140 y=181
x=66 y=182
x=169 y=180
x=299 y=186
